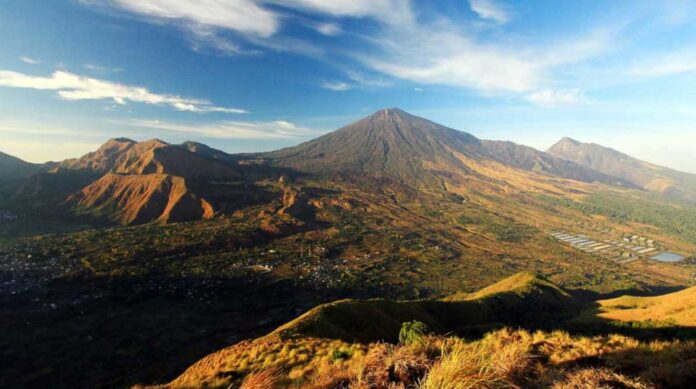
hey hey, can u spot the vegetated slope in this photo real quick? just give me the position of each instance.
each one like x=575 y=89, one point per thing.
x=677 y=308
x=341 y=345
x=51 y=188
x=642 y=174
x=13 y=168
x=530 y=159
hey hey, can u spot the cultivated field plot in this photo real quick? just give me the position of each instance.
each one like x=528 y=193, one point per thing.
x=628 y=249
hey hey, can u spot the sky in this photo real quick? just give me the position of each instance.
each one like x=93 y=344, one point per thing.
x=258 y=75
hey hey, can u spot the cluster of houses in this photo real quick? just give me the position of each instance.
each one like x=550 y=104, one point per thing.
x=5 y=215
x=21 y=271
x=626 y=249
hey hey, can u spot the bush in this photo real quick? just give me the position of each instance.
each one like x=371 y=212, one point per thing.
x=412 y=332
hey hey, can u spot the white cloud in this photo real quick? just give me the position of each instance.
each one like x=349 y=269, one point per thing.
x=244 y=16
x=328 y=29
x=74 y=87
x=441 y=54
x=553 y=97
x=433 y=50
x=278 y=129
x=417 y=89
x=346 y=8
x=338 y=86
x=30 y=61
x=489 y=9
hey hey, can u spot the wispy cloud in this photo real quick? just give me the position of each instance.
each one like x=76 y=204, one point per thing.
x=101 y=69
x=74 y=87
x=442 y=54
x=432 y=50
x=30 y=61
x=328 y=29
x=278 y=129
x=554 y=97
x=244 y=16
x=338 y=86
x=665 y=65
x=253 y=21
x=367 y=81
x=491 y=10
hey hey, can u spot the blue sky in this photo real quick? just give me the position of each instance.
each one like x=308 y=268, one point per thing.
x=253 y=75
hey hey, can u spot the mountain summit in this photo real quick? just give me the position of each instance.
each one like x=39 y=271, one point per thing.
x=389 y=142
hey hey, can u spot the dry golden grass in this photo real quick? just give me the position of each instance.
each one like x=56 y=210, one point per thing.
x=678 y=308
x=502 y=359
x=267 y=379
x=598 y=379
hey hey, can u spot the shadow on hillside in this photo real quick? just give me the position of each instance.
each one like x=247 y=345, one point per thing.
x=103 y=332
x=370 y=321
x=667 y=366
x=589 y=296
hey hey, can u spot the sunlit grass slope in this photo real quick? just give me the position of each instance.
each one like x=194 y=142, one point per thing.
x=678 y=308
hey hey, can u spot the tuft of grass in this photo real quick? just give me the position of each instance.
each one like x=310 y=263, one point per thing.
x=501 y=360
x=265 y=379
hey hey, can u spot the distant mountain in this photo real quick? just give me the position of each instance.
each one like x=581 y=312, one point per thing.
x=149 y=181
x=104 y=158
x=208 y=152
x=390 y=142
x=394 y=143
x=13 y=168
x=174 y=160
x=131 y=182
x=530 y=159
x=614 y=163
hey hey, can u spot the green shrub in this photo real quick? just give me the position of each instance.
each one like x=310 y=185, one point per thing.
x=412 y=332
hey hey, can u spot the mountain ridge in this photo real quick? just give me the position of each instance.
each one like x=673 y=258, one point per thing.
x=395 y=143
x=13 y=168
x=642 y=174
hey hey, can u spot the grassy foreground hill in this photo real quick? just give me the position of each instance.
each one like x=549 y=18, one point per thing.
x=354 y=344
